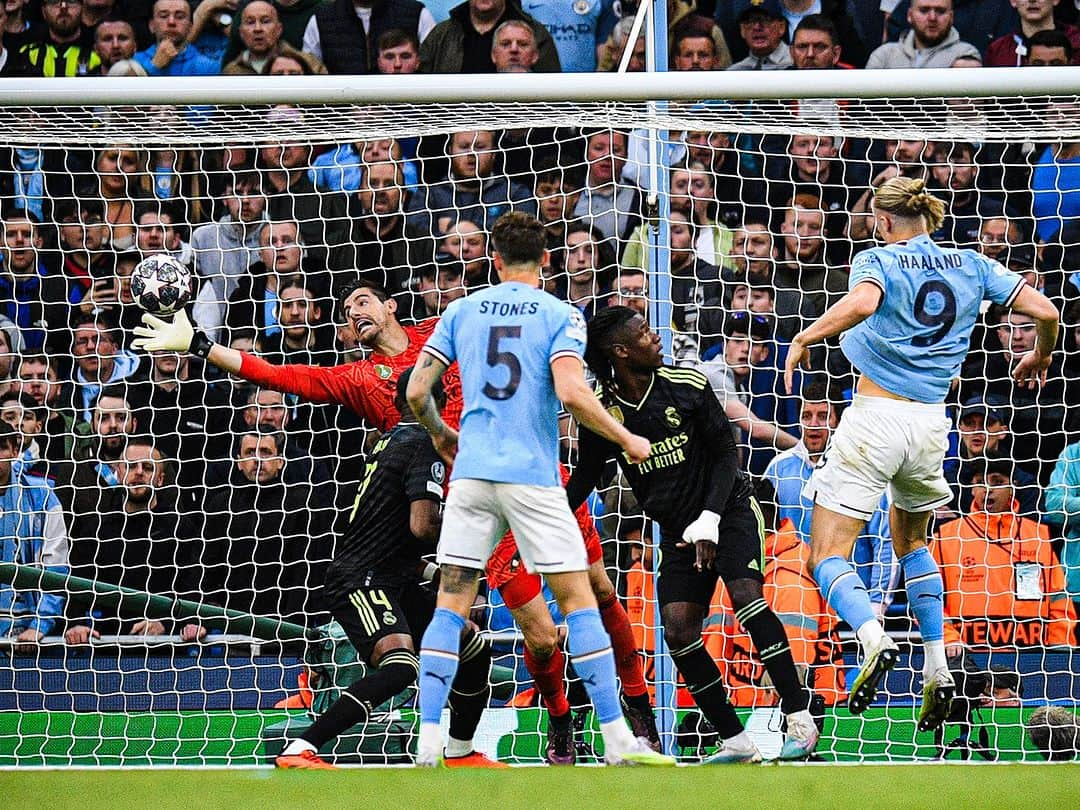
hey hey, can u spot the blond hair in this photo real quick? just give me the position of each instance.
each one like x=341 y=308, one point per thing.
x=908 y=198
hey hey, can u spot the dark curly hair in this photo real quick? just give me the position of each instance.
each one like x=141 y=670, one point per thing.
x=604 y=327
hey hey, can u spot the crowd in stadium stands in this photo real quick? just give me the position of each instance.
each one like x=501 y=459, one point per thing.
x=161 y=474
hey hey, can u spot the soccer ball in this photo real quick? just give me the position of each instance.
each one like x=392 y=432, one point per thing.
x=160 y=284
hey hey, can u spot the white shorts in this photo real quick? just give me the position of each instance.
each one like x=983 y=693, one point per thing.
x=883 y=443
x=478 y=513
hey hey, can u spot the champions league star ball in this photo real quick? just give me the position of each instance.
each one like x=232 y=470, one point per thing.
x=160 y=284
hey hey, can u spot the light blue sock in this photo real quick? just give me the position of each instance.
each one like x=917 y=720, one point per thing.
x=844 y=591
x=925 y=592
x=590 y=649
x=438 y=662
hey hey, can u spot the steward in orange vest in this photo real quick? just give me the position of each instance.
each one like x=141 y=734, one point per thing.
x=808 y=621
x=1004 y=585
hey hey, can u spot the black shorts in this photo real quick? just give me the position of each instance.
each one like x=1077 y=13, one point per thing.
x=740 y=554
x=374 y=612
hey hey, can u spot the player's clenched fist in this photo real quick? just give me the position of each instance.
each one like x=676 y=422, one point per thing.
x=637 y=449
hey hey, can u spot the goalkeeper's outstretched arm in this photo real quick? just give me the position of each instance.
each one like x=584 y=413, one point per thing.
x=313 y=383
x=178 y=335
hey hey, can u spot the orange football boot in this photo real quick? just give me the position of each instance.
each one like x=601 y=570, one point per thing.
x=473 y=760
x=305 y=759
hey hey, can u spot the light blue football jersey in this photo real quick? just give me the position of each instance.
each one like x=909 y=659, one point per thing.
x=504 y=339
x=576 y=26
x=915 y=343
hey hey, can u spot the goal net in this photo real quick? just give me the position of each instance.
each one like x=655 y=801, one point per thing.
x=727 y=211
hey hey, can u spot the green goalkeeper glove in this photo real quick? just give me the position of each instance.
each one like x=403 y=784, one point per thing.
x=177 y=335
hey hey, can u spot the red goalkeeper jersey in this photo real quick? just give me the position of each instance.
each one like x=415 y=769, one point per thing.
x=366 y=386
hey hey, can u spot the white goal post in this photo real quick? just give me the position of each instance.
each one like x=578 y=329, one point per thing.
x=1005 y=122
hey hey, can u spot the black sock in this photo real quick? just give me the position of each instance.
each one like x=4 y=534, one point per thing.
x=575 y=690
x=560 y=721
x=471 y=688
x=640 y=702
x=397 y=671
x=706 y=686
x=771 y=643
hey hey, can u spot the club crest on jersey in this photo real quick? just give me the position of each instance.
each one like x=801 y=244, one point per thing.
x=672 y=417
x=616 y=413
x=438 y=472
x=577 y=329
x=384 y=372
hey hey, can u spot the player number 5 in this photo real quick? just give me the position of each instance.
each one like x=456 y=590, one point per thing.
x=508 y=359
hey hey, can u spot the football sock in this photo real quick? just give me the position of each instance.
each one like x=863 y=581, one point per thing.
x=559 y=721
x=576 y=694
x=640 y=702
x=395 y=673
x=590 y=649
x=846 y=595
x=547 y=674
x=298 y=746
x=458 y=748
x=627 y=660
x=925 y=593
x=438 y=663
x=771 y=642
x=706 y=686
x=470 y=691
x=740 y=740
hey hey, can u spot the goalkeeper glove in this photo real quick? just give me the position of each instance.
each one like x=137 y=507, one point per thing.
x=706 y=527
x=177 y=335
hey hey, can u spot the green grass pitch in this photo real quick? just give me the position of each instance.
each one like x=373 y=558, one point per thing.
x=862 y=787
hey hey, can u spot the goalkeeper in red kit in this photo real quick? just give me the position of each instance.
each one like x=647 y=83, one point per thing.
x=368 y=387
x=365 y=386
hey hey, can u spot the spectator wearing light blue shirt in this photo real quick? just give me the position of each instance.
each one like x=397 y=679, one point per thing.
x=342 y=168
x=32 y=532
x=99 y=359
x=172 y=55
x=440 y=9
x=874 y=560
x=576 y=26
x=1063 y=511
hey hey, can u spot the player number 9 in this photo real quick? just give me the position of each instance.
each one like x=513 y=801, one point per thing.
x=940 y=317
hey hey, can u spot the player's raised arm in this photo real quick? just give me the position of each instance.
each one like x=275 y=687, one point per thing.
x=854 y=308
x=313 y=383
x=1031 y=369
x=178 y=335
x=369 y=311
x=428 y=369
x=593 y=455
x=579 y=399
